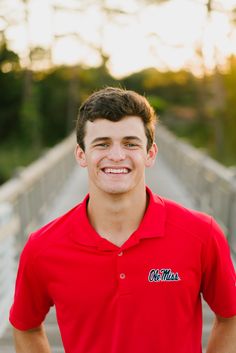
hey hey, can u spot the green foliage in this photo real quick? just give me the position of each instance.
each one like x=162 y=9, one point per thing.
x=195 y=132
x=230 y=114
x=10 y=101
x=9 y=61
x=14 y=155
x=60 y=93
x=170 y=87
x=30 y=123
x=53 y=98
x=38 y=109
x=160 y=105
x=194 y=108
x=10 y=93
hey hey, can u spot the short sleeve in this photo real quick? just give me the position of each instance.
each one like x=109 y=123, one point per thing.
x=219 y=279
x=31 y=301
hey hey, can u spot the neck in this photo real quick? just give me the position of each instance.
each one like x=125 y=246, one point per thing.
x=116 y=217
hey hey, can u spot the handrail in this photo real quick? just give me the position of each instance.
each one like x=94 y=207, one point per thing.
x=23 y=200
x=211 y=185
x=33 y=189
x=9 y=226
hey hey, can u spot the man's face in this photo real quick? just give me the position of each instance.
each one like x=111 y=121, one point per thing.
x=116 y=154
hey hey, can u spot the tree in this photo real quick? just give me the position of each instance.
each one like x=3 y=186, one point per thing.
x=10 y=88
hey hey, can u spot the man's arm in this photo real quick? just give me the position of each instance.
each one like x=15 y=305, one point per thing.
x=223 y=336
x=31 y=341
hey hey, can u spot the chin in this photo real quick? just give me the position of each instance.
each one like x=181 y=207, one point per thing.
x=113 y=191
x=116 y=189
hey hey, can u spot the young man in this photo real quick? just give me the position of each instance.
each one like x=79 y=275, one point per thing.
x=125 y=268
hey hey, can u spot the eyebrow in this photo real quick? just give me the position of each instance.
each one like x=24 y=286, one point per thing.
x=132 y=138
x=105 y=138
x=99 y=139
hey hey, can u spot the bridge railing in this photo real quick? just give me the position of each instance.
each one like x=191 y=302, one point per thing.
x=211 y=185
x=23 y=200
x=31 y=192
x=9 y=225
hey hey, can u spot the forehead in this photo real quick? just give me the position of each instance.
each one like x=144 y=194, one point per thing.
x=130 y=125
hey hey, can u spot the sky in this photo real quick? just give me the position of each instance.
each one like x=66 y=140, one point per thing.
x=164 y=36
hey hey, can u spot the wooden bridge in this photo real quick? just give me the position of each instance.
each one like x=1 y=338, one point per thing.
x=54 y=184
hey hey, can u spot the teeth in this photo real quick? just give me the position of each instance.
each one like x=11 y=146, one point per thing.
x=116 y=171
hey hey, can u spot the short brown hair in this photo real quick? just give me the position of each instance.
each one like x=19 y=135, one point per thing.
x=114 y=104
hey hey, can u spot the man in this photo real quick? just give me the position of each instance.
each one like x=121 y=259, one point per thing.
x=125 y=268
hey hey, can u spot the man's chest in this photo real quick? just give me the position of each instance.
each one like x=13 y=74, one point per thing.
x=153 y=270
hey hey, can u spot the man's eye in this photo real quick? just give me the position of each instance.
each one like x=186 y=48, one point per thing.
x=131 y=145
x=103 y=145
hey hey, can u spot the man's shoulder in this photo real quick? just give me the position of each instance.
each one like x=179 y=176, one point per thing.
x=187 y=219
x=175 y=209
x=54 y=231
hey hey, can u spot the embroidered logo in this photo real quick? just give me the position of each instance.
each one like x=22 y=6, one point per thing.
x=163 y=275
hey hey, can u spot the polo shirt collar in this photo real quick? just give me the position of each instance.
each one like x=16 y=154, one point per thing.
x=151 y=226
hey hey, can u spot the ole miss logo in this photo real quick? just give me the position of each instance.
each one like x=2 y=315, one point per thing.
x=163 y=275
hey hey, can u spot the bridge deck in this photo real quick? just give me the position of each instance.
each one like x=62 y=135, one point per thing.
x=161 y=180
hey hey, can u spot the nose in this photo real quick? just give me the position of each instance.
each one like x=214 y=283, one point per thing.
x=116 y=153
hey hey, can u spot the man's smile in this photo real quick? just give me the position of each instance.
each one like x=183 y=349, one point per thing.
x=116 y=170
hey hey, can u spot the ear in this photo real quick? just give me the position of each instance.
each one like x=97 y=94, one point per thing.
x=151 y=155
x=80 y=156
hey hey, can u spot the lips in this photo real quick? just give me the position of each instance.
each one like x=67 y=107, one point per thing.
x=116 y=170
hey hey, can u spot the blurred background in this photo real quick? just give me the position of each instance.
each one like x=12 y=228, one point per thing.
x=53 y=53
x=181 y=54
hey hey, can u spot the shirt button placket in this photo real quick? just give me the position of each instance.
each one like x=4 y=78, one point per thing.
x=121 y=272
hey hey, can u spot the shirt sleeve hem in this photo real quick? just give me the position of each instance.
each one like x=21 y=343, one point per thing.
x=225 y=313
x=19 y=325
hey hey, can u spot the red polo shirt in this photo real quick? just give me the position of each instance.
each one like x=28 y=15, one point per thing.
x=142 y=297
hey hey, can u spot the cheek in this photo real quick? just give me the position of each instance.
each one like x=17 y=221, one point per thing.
x=139 y=158
x=94 y=159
